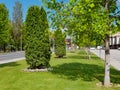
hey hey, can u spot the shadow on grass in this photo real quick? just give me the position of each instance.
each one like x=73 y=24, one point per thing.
x=60 y=57
x=11 y=64
x=86 y=72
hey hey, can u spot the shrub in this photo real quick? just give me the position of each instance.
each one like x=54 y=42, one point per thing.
x=37 y=48
x=60 y=47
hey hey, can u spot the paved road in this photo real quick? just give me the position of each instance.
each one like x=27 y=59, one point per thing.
x=11 y=57
x=114 y=57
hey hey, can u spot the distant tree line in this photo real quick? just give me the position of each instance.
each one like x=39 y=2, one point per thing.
x=4 y=28
x=11 y=30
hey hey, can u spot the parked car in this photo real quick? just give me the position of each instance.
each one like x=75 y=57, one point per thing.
x=99 y=47
x=92 y=48
x=119 y=48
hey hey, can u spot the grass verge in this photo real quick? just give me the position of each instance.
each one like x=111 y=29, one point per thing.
x=74 y=72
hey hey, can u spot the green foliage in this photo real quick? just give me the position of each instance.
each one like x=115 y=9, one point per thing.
x=82 y=16
x=60 y=47
x=4 y=26
x=37 y=49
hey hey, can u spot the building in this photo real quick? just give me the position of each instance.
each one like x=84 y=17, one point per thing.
x=68 y=42
x=115 y=41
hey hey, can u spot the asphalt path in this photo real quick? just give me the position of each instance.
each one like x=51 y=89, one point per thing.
x=114 y=57
x=11 y=57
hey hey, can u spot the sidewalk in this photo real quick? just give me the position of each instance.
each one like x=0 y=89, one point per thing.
x=115 y=62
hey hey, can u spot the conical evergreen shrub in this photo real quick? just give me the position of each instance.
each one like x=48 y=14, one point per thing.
x=60 y=47
x=37 y=48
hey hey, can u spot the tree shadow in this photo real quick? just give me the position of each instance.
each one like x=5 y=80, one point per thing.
x=64 y=57
x=86 y=72
x=11 y=64
x=115 y=76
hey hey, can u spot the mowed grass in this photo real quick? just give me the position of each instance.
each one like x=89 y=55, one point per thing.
x=74 y=72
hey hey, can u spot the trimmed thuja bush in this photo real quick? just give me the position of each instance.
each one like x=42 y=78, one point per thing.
x=60 y=47
x=37 y=48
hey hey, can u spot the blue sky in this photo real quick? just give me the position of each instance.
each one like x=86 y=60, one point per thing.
x=118 y=4
x=25 y=5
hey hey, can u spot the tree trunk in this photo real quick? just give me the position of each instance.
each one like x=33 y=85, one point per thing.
x=21 y=41
x=107 y=63
x=89 y=54
x=4 y=48
x=100 y=52
x=107 y=51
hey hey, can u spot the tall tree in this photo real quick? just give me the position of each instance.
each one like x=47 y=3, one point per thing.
x=17 y=22
x=37 y=45
x=4 y=27
x=104 y=27
x=95 y=20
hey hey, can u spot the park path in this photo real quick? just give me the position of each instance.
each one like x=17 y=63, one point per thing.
x=12 y=57
x=114 y=57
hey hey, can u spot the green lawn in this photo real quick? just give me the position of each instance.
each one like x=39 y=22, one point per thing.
x=74 y=72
